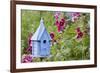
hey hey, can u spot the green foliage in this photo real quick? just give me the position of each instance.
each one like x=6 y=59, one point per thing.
x=67 y=46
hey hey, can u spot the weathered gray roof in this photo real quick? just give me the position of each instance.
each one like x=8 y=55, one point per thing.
x=37 y=35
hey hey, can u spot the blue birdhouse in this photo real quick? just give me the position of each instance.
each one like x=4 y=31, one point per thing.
x=41 y=42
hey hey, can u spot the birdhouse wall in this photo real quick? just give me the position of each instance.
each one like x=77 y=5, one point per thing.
x=45 y=44
x=41 y=45
x=35 y=48
x=45 y=38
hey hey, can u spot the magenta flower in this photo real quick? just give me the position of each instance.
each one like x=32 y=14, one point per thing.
x=29 y=39
x=56 y=15
x=59 y=28
x=62 y=21
x=29 y=49
x=78 y=30
x=52 y=35
x=61 y=25
x=75 y=16
x=79 y=33
x=57 y=23
x=27 y=58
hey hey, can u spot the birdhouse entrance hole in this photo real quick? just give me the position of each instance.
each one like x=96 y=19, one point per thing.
x=44 y=41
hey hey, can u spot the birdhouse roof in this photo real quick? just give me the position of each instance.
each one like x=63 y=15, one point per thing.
x=37 y=35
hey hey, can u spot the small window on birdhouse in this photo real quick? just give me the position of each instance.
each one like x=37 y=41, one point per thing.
x=44 y=41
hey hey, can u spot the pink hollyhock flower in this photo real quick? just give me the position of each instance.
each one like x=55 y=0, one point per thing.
x=27 y=58
x=57 y=23
x=59 y=28
x=79 y=33
x=60 y=24
x=78 y=30
x=52 y=35
x=62 y=21
x=74 y=19
x=75 y=16
x=58 y=12
x=29 y=40
x=29 y=49
x=57 y=15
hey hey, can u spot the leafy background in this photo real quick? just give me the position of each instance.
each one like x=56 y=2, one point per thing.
x=67 y=46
